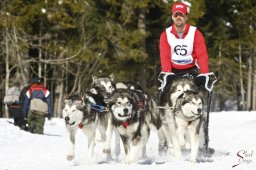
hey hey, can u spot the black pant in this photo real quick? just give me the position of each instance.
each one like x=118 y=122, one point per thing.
x=194 y=71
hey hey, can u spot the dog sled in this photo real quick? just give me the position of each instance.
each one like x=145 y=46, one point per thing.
x=210 y=80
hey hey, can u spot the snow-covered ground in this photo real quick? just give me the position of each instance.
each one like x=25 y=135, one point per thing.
x=232 y=134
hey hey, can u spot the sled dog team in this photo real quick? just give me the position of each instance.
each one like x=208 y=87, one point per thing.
x=124 y=108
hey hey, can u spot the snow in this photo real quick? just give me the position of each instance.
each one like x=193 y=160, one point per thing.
x=231 y=133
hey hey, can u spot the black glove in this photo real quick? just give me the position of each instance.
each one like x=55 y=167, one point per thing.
x=205 y=81
x=165 y=78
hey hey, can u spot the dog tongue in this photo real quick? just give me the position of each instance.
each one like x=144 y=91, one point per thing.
x=125 y=124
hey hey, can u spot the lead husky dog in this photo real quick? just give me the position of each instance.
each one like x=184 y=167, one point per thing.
x=78 y=116
x=133 y=114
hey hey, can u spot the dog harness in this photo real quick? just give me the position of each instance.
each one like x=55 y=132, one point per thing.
x=125 y=124
x=99 y=108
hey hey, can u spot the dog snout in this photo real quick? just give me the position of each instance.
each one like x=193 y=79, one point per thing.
x=199 y=110
x=126 y=110
x=67 y=119
x=107 y=94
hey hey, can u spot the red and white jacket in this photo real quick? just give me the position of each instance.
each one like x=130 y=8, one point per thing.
x=183 y=53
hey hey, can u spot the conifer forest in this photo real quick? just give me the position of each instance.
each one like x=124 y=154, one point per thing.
x=66 y=42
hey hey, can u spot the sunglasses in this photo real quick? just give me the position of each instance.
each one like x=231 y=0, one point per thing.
x=178 y=14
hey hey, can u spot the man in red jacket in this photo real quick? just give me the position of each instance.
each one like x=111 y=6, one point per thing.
x=183 y=50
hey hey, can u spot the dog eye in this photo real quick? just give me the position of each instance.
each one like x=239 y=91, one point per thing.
x=73 y=110
x=128 y=103
x=119 y=103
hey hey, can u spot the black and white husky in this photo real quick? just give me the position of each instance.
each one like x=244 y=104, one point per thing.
x=188 y=112
x=78 y=116
x=133 y=114
x=184 y=107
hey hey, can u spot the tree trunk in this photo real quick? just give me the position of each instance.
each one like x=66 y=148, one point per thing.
x=242 y=102
x=22 y=77
x=249 y=85
x=254 y=82
x=60 y=89
x=7 y=68
x=142 y=28
x=40 y=52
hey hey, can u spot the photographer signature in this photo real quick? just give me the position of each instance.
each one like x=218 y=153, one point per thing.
x=244 y=156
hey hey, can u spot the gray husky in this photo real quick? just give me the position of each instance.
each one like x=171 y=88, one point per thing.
x=188 y=112
x=184 y=109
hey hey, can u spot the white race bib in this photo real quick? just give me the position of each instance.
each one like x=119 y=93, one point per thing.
x=181 y=49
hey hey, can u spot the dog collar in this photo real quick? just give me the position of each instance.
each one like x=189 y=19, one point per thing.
x=81 y=125
x=125 y=124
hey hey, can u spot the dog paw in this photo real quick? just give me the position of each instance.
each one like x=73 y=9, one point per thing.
x=117 y=151
x=182 y=143
x=182 y=147
x=107 y=151
x=187 y=146
x=192 y=160
x=130 y=161
x=70 y=157
x=178 y=154
x=127 y=161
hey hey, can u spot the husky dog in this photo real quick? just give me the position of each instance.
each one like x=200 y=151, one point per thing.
x=101 y=89
x=105 y=86
x=188 y=112
x=133 y=114
x=144 y=101
x=184 y=90
x=78 y=116
x=167 y=135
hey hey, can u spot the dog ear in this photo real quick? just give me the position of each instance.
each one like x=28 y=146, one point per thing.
x=121 y=85
x=94 y=78
x=79 y=104
x=202 y=96
x=112 y=77
x=111 y=102
x=65 y=96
